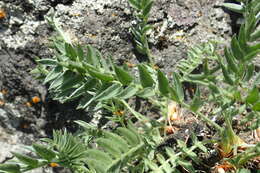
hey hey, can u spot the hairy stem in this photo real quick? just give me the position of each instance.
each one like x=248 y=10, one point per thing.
x=206 y=119
x=139 y=116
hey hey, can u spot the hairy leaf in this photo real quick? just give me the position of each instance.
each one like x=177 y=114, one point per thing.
x=47 y=62
x=10 y=168
x=256 y=106
x=127 y=92
x=130 y=136
x=121 y=143
x=234 y=7
x=178 y=86
x=145 y=77
x=101 y=76
x=196 y=101
x=147 y=9
x=26 y=159
x=230 y=60
x=163 y=83
x=44 y=152
x=99 y=156
x=109 y=93
x=236 y=49
x=123 y=76
x=109 y=146
x=70 y=51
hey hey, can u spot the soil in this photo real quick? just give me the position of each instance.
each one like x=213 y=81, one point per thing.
x=24 y=34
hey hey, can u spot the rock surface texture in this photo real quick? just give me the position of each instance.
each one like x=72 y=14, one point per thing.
x=104 y=24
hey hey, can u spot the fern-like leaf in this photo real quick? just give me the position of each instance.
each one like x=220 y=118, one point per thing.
x=114 y=150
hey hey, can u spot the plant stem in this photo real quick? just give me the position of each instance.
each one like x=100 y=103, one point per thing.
x=148 y=53
x=184 y=154
x=202 y=116
x=139 y=116
x=206 y=119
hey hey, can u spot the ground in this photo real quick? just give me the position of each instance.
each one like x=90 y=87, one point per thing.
x=24 y=34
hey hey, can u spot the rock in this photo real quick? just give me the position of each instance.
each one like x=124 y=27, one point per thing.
x=13 y=143
x=10 y=142
x=10 y=116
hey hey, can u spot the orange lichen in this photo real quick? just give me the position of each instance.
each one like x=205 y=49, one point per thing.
x=76 y=14
x=224 y=154
x=28 y=104
x=199 y=14
x=2 y=103
x=113 y=14
x=169 y=130
x=53 y=165
x=155 y=67
x=130 y=65
x=225 y=167
x=256 y=134
x=118 y=113
x=36 y=99
x=2 y=14
x=192 y=90
x=92 y=36
x=4 y=91
x=25 y=126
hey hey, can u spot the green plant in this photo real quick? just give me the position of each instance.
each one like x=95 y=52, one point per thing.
x=225 y=82
x=242 y=158
x=142 y=11
x=230 y=93
x=64 y=150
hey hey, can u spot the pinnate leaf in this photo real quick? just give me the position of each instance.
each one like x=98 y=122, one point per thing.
x=123 y=76
x=145 y=77
x=163 y=83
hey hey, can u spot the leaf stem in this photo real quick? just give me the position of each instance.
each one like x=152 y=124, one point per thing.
x=206 y=119
x=139 y=116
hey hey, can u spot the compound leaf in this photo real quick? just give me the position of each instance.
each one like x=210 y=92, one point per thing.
x=123 y=76
x=178 y=86
x=163 y=83
x=44 y=152
x=10 y=168
x=109 y=93
x=145 y=77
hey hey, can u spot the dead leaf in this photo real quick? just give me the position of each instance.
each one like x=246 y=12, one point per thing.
x=173 y=111
x=256 y=134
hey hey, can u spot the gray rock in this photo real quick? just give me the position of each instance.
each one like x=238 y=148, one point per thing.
x=9 y=143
